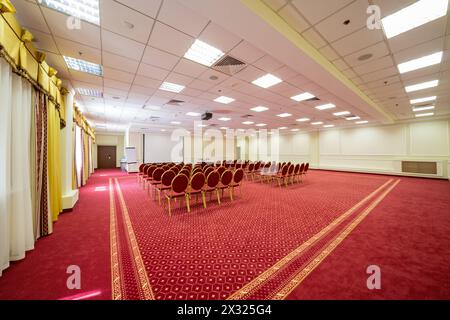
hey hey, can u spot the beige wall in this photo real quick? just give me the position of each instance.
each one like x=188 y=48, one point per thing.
x=109 y=140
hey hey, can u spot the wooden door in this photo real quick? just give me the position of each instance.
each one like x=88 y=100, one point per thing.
x=106 y=157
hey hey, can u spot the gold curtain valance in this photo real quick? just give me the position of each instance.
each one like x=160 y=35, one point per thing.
x=19 y=51
x=81 y=121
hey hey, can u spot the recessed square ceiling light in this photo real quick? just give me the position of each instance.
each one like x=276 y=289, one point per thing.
x=423 y=108
x=84 y=66
x=316 y=123
x=419 y=63
x=303 y=96
x=248 y=122
x=172 y=87
x=223 y=99
x=282 y=128
x=284 y=115
x=420 y=100
x=302 y=119
x=163 y=130
x=261 y=125
x=87 y=10
x=424 y=114
x=90 y=92
x=328 y=126
x=421 y=86
x=175 y=122
x=296 y=129
x=412 y=16
x=267 y=81
x=202 y=125
x=223 y=128
x=259 y=109
x=341 y=113
x=224 y=119
x=353 y=118
x=361 y=122
x=203 y=53
x=193 y=114
x=326 y=106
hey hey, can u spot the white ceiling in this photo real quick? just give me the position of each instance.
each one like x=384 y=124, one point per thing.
x=321 y=23
x=137 y=60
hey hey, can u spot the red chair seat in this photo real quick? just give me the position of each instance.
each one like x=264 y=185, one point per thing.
x=173 y=194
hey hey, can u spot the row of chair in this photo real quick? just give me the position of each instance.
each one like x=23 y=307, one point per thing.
x=185 y=181
x=283 y=173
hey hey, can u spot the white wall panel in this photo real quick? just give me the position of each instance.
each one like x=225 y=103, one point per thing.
x=158 y=148
x=329 y=142
x=429 y=138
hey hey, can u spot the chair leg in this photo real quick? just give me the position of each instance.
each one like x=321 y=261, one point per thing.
x=187 y=203
x=168 y=204
x=204 y=200
x=159 y=197
x=218 y=196
x=230 y=190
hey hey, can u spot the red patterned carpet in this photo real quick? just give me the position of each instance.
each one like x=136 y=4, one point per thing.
x=311 y=240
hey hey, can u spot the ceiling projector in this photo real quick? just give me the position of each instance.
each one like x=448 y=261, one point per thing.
x=207 y=116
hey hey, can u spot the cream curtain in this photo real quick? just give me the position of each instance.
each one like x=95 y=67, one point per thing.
x=16 y=216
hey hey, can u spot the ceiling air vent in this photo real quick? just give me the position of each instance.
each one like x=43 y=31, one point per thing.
x=154 y=118
x=175 y=102
x=313 y=99
x=247 y=116
x=229 y=65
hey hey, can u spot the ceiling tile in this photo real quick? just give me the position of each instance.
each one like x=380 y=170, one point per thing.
x=188 y=22
x=86 y=77
x=374 y=65
x=119 y=62
x=267 y=63
x=319 y=9
x=122 y=20
x=246 y=52
x=152 y=72
x=114 y=74
x=146 y=82
x=285 y=73
x=78 y=51
x=389 y=7
x=356 y=41
x=118 y=85
x=428 y=31
x=43 y=41
x=178 y=79
x=380 y=74
x=189 y=68
x=149 y=8
x=333 y=27
x=88 y=33
x=249 y=74
x=329 y=53
x=30 y=16
x=340 y=64
x=376 y=51
x=314 y=38
x=420 y=50
x=293 y=18
x=125 y=47
x=168 y=39
x=218 y=37
x=159 y=58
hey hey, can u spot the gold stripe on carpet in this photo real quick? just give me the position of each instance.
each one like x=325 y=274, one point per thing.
x=137 y=257
x=267 y=275
x=116 y=282
x=302 y=274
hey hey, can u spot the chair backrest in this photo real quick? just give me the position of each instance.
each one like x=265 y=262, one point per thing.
x=141 y=167
x=256 y=167
x=167 y=177
x=297 y=168
x=150 y=170
x=302 y=168
x=197 y=181
x=284 y=170
x=306 y=166
x=196 y=170
x=208 y=171
x=180 y=183
x=186 y=172
x=213 y=179
x=291 y=169
x=175 y=169
x=157 y=174
x=251 y=167
x=221 y=170
x=226 y=177
x=238 y=176
x=238 y=165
